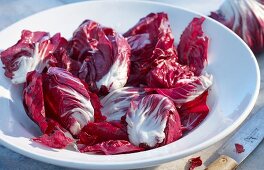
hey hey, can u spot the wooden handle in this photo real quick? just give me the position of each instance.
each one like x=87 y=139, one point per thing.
x=224 y=163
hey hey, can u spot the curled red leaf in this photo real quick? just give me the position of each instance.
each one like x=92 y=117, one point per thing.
x=68 y=100
x=193 y=45
x=194 y=112
x=112 y=147
x=150 y=121
x=56 y=140
x=116 y=103
x=239 y=148
x=195 y=162
x=167 y=74
x=103 y=55
x=24 y=56
x=94 y=133
x=33 y=100
x=151 y=42
x=186 y=90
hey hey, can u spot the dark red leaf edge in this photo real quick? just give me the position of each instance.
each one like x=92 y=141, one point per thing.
x=112 y=147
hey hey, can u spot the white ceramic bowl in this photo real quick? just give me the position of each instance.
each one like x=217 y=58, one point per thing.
x=234 y=92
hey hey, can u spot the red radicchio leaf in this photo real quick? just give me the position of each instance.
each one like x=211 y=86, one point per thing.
x=22 y=57
x=192 y=48
x=167 y=74
x=112 y=147
x=246 y=19
x=94 y=133
x=34 y=101
x=116 y=103
x=56 y=140
x=57 y=55
x=68 y=100
x=98 y=117
x=104 y=56
x=194 y=112
x=186 y=90
x=151 y=41
x=172 y=130
x=34 y=51
x=239 y=148
x=148 y=121
x=195 y=162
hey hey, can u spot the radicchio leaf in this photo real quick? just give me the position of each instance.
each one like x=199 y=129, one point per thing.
x=167 y=74
x=193 y=45
x=195 y=162
x=112 y=147
x=33 y=100
x=34 y=51
x=23 y=57
x=186 y=90
x=94 y=133
x=54 y=135
x=246 y=19
x=153 y=121
x=68 y=100
x=104 y=56
x=57 y=55
x=58 y=139
x=151 y=41
x=116 y=103
x=194 y=112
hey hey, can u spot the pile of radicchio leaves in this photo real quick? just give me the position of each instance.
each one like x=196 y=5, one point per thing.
x=109 y=93
x=246 y=19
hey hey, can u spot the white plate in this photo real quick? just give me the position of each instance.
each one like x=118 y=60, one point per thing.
x=234 y=92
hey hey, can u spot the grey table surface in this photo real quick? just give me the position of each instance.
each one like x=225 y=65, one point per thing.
x=14 y=10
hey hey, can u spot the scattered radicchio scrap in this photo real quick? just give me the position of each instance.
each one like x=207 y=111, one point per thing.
x=32 y=52
x=195 y=162
x=193 y=45
x=112 y=147
x=153 y=121
x=194 y=112
x=104 y=56
x=116 y=103
x=67 y=98
x=246 y=19
x=151 y=42
x=239 y=148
